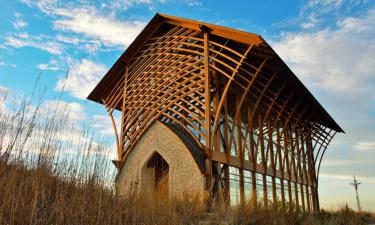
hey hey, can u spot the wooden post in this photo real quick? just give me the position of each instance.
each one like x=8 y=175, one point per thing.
x=272 y=159
x=314 y=195
x=123 y=135
x=240 y=155
x=216 y=145
x=299 y=167
x=207 y=89
x=253 y=159
x=227 y=152
x=281 y=167
x=293 y=165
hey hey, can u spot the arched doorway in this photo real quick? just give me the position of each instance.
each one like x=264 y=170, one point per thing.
x=161 y=170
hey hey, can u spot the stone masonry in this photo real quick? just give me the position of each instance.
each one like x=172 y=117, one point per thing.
x=184 y=174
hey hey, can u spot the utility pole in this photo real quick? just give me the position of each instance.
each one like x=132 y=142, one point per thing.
x=356 y=184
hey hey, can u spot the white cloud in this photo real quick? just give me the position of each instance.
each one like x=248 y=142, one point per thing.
x=19 y=23
x=193 y=3
x=36 y=41
x=311 y=21
x=315 y=13
x=112 y=152
x=341 y=162
x=52 y=65
x=106 y=29
x=339 y=60
x=92 y=47
x=68 y=39
x=364 y=146
x=82 y=78
x=89 y=45
x=359 y=25
x=330 y=3
x=88 y=21
x=337 y=66
x=2 y=63
x=3 y=91
x=74 y=110
x=349 y=178
x=125 y=4
x=103 y=124
x=46 y=67
x=24 y=35
x=64 y=138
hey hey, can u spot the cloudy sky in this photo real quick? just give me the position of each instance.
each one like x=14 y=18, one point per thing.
x=329 y=44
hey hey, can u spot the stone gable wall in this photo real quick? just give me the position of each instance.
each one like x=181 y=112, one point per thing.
x=184 y=174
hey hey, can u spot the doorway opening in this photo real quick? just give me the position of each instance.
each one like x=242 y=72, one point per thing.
x=161 y=170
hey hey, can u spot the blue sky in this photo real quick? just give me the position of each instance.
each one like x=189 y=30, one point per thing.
x=329 y=44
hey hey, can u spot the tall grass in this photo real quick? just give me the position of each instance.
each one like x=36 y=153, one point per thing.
x=276 y=215
x=56 y=171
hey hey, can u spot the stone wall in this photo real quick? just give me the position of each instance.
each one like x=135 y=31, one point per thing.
x=184 y=174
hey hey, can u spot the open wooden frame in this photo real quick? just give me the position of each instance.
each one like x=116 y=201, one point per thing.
x=255 y=122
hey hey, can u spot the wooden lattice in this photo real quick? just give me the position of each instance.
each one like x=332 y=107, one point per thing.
x=231 y=93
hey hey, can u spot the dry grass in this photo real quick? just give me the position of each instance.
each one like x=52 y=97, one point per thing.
x=48 y=177
x=45 y=179
x=38 y=197
x=278 y=216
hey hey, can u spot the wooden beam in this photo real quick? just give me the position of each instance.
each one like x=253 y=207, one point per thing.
x=207 y=97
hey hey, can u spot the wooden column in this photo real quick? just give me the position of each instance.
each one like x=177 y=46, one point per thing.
x=263 y=158
x=281 y=167
x=216 y=145
x=287 y=165
x=299 y=166
x=293 y=165
x=207 y=96
x=227 y=151
x=123 y=136
x=304 y=168
x=253 y=160
x=240 y=155
x=272 y=159
x=310 y=161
